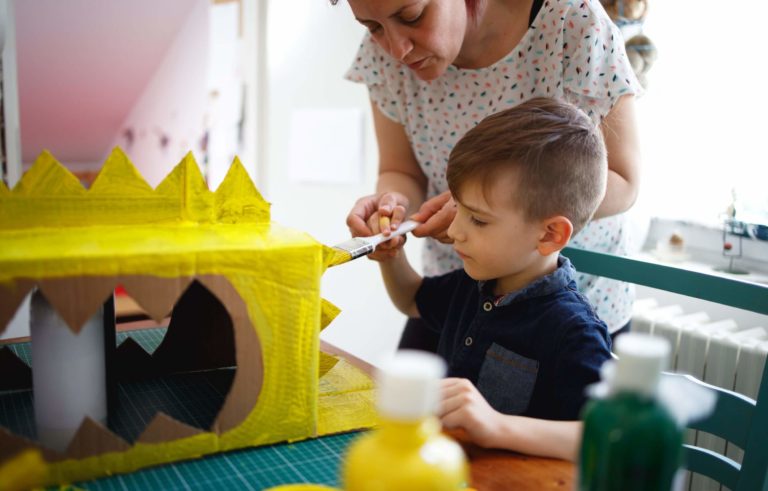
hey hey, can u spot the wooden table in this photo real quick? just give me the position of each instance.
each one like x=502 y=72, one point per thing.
x=497 y=470
x=493 y=470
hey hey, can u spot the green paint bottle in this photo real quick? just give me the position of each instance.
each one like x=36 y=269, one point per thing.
x=631 y=441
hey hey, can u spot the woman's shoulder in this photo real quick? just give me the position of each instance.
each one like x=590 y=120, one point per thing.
x=575 y=6
x=572 y=13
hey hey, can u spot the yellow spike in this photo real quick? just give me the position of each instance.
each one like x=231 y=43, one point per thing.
x=47 y=178
x=4 y=191
x=326 y=363
x=328 y=312
x=119 y=177
x=49 y=195
x=186 y=183
x=238 y=200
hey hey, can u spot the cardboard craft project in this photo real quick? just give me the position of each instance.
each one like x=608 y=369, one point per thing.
x=243 y=294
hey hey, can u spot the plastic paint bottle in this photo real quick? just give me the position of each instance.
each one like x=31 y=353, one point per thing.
x=406 y=451
x=631 y=441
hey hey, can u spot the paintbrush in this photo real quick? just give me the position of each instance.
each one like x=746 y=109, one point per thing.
x=360 y=246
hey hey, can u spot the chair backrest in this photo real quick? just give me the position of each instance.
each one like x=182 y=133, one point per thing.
x=736 y=418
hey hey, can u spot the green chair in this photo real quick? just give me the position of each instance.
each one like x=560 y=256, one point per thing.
x=739 y=420
x=736 y=418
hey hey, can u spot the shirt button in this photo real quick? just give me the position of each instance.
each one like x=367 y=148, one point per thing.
x=468 y=341
x=487 y=306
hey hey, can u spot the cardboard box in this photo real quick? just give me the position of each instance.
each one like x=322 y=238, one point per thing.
x=243 y=292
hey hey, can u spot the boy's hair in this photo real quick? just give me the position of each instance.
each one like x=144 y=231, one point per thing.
x=557 y=152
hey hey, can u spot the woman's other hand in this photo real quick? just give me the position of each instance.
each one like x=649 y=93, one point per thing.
x=379 y=213
x=436 y=215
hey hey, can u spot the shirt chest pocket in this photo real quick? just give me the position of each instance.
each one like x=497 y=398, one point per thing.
x=507 y=379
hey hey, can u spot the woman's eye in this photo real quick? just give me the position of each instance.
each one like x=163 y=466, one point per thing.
x=373 y=28
x=477 y=222
x=411 y=19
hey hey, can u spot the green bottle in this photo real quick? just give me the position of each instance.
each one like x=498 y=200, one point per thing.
x=631 y=441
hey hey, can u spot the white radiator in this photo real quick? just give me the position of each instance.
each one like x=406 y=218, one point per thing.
x=720 y=353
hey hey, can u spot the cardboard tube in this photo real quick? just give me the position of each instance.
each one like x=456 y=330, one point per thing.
x=68 y=373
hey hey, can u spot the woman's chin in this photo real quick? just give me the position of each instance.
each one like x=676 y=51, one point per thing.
x=429 y=73
x=427 y=77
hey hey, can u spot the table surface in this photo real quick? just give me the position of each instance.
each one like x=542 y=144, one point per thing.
x=311 y=461
x=317 y=461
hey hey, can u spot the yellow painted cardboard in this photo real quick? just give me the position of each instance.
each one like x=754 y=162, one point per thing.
x=52 y=228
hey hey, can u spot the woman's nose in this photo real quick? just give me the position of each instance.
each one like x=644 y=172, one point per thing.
x=399 y=45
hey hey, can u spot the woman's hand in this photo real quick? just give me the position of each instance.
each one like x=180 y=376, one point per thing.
x=436 y=215
x=379 y=213
x=464 y=407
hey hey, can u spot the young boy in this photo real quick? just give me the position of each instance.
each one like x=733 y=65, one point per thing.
x=520 y=341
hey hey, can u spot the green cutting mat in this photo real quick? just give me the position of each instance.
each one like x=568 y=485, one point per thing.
x=311 y=461
x=193 y=399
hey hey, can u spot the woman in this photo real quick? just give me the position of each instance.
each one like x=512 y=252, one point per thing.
x=435 y=68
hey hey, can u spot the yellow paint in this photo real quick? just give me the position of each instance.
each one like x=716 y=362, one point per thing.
x=407 y=456
x=23 y=471
x=51 y=227
x=328 y=312
x=302 y=487
x=346 y=396
x=339 y=257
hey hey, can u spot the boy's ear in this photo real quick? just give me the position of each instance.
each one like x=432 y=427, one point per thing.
x=557 y=232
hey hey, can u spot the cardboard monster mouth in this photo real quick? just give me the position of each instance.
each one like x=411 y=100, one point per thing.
x=209 y=331
x=261 y=310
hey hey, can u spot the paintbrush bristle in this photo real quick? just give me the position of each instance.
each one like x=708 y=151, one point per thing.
x=340 y=256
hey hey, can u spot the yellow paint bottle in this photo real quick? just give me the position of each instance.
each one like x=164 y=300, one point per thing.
x=407 y=451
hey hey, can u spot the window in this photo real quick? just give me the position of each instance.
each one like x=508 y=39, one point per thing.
x=704 y=117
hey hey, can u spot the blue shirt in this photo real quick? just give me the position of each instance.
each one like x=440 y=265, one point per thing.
x=532 y=352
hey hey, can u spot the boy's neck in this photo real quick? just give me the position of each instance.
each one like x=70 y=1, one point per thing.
x=538 y=269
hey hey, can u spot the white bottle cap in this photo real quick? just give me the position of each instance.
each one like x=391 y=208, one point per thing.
x=641 y=359
x=408 y=385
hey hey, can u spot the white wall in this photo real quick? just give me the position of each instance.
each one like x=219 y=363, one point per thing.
x=310 y=45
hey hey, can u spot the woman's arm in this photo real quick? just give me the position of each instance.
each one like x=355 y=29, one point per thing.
x=400 y=186
x=398 y=169
x=621 y=141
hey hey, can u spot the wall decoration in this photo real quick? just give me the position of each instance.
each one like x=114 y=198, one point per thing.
x=629 y=15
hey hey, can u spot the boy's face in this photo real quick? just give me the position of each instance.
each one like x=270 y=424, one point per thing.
x=492 y=236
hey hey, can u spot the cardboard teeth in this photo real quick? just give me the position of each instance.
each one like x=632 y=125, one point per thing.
x=156 y=296
x=76 y=301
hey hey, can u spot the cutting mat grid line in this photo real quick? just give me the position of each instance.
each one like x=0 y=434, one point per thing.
x=193 y=400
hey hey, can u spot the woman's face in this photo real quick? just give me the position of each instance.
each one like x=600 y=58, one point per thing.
x=426 y=35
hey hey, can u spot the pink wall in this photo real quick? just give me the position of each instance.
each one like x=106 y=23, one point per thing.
x=83 y=64
x=168 y=118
